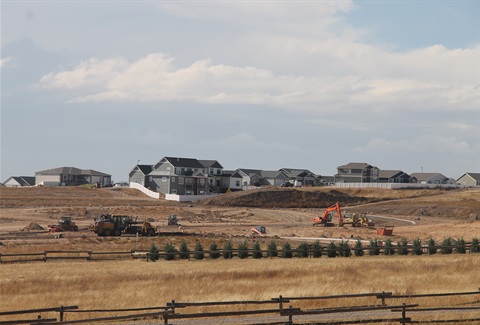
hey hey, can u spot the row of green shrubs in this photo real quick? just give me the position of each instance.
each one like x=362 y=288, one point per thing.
x=342 y=249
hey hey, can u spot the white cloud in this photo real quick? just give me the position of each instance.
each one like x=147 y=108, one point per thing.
x=6 y=62
x=426 y=143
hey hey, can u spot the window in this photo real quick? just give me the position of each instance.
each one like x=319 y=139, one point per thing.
x=178 y=171
x=174 y=191
x=173 y=179
x=180 y=180
x=237 y=183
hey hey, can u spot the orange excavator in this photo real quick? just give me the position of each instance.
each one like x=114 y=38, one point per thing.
x=326 y=219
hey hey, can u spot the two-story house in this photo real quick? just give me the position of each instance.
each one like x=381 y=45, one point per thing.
x=139 y=174
x=355 y=172
x=214 y=173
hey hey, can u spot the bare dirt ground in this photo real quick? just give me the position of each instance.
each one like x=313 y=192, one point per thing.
x=287 y=213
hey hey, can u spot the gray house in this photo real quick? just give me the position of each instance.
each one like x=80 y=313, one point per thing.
x=303 y=175
x=214 y=172
x=357 y=173
x=139 y=174
x=231 y=180
x=430 y=178
x=469 y=179
x=71 y=176
x=19 y=181
x=394 y=176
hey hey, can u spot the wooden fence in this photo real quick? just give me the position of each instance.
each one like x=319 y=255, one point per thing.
x=221 y=253
x=279 y=313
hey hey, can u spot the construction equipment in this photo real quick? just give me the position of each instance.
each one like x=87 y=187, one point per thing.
x=385 y=231
x=356 y=220
x=64 y=224
x=326 y=219
x=116 y=225
x=259 y=230
x=172 y=220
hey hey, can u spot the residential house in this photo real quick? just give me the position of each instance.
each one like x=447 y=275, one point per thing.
x=355 y=172
x=469 y=179
x=430 y=178
x=175 y=175
x=250 y=177
x=139 y=174
x=273 y=177
x=306 y=177
x=231 y=180
x=394 y=176
x=214 y=172
x=19 y=181
x=71 y=176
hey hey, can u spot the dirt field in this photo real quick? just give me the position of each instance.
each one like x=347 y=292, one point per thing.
x=287 y=214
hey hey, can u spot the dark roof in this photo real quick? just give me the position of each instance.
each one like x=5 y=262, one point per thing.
x=250 y=172
x=183 y=162
x=384 y=173
x=356 y=165
x=70 y=171
x=24 y=180
x=211 y=163
x=294 y=172
x=145 y=169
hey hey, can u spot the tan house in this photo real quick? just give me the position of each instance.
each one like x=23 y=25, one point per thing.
x=469 y=179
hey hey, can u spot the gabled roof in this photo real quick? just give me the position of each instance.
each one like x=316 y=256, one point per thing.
x=475 y=176
x=211 y=163
x=273 y=174
x=426 y=176
x=70 y=171
x=23 y=180
x=295 y=172
x=249 y=172
x=357 y=165
x=384 y=173
x=182 y=162
x=231 y=174
x=145 y=169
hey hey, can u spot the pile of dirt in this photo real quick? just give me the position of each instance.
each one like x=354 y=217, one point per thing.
x=32 y=226
x=286 y=198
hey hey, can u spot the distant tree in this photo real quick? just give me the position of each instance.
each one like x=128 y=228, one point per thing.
x=214 y=252
x=417 y=247
x=332 y=249
x=432 y=246
x=272 y=250
x=153 y=253
x=344 y=249
x=287 y=250
x=243 y=250
x=446 y=246
x=461 y=249
x=475 y=246
x=184 y=252
x=358 y=249
x=316 y=249
x=170 y=252
x=302 y=250
x=402 y=247
x=257 y=250
x=228 y=250
x=374 y=247
x=198 y=254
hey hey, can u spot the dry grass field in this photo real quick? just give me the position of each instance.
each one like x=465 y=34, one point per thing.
x=287 y=214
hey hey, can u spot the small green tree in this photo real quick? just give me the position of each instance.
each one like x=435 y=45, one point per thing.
x=374 y=249
x=272 y=250
x=387 y=248
x=198 y=254
x=358 y=248
x=170 y=252
x=475 y=246
x=257 y=250
x=402 y=247
x=446 y=246
x=316 y=249
x=214 y=252
x=153 y=253
x=287 y=250
x=243 y=250
x=344 y=249
x=332 y=249
x=184 y=252
x=431 y=246
x=460 y=246
x=417 y=247
x=228 y=250
x=302 y=250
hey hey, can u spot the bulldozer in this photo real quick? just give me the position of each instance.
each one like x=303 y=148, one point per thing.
x=172 y=220
x=64 y=224
x=116 y=225
x=356 y=220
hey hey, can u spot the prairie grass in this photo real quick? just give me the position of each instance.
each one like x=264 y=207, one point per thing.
x=126 y=284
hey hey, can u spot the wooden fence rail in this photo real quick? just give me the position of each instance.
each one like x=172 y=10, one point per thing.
x=168 y=312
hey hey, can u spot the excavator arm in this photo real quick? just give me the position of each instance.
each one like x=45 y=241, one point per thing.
x=326 y=219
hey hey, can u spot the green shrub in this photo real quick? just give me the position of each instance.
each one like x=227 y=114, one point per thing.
x=402 y=247
x=316 y=249
x=272 y=249
x=214 y=252
x=257 y=250
x=374 y=248
x=170 y=252
x=184 y=252
x=302 y=250
x=431 y=246
x=243 y=250
x=332 y=249
x=358 y=249
x=344 y=249
x=287 y=250
x=387 y=248
x=228 y=250
x=475 y=246
x=153 y=253
x=198 y=254
x=460 y=246
x=417 y=247
x=446 y=249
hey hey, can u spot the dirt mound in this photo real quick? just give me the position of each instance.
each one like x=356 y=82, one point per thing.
x=285 y=198
x=32 y=226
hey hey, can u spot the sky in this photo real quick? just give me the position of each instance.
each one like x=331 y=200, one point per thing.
x=105 y=85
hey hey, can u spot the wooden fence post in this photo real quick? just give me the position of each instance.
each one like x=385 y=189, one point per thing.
x=61 y=313
x=383 y=298
x=280 y=302
x=290 y=316
x=404 y=314
x=45 y=256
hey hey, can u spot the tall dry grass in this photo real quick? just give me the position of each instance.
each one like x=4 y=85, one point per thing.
x=124 y=284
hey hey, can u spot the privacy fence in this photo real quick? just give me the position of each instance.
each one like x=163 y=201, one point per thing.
x=244 y=251
x=356 y=308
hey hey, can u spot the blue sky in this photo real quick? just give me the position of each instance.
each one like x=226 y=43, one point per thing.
x=266 y=85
